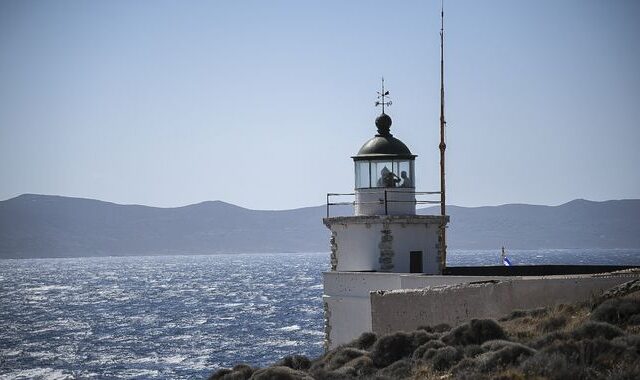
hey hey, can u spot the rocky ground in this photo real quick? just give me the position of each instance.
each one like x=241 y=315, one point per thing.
x=598 y=339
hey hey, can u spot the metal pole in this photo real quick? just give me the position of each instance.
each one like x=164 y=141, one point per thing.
x=442 y=146
x=327 y=205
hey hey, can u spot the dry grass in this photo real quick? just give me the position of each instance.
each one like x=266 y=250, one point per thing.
x=561 y=318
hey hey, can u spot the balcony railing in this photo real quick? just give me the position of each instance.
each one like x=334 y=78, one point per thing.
x=386 y=201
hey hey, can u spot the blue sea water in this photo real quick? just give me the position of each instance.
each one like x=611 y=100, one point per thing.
x=181 y=317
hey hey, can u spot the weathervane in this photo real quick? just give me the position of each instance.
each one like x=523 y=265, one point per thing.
x=382 y=96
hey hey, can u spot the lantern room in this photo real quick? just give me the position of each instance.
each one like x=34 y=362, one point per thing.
x=384 y=174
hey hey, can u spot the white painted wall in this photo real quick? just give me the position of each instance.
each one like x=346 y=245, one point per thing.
x=358 y=242
x=349 y=306
x=415 y=237
x=357 y=246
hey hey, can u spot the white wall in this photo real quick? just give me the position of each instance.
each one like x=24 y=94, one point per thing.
x=358 y=242
x=409 y=309
x=347 y=297
x=415 y=237
x=357 y=246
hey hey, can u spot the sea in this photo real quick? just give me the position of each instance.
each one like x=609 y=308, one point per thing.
x=183 y=317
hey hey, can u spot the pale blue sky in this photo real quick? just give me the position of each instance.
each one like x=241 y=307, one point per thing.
x=262 y=103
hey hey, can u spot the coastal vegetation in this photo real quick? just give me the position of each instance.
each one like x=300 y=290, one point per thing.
x=597 y=339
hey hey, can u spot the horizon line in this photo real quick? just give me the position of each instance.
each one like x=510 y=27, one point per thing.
x=294 y=208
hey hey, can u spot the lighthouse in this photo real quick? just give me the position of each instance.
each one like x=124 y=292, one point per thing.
x=385 y=234
x=385 y=242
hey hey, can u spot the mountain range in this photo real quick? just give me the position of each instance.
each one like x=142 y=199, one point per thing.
x=54 y=226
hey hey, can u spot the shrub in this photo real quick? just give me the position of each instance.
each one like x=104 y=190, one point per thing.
x=298 y=362
x=628 y=372
x=617 y=311
x=430 y=345
x=343 y=373
x=321 y=374
x=549 y=338
x=477 y=331
x=595 y=354
x=280 y=373
x=631 y=341
x=509 y=374
x=219 y=374
x=472 y=350
x=439 y=328
x=244 y=371
x=591 y=330
x=634 y=320
x=400 y=369
x=465 y=368
x=239 y=372
x=445 y=357
x=495 y=345
x=502 y=354
x=364 y=341
x=420 y=337
x=552 y=366
x=498 y=355
x=342 y=356
x=553 y=323
x=363 y=366
x=391 y=348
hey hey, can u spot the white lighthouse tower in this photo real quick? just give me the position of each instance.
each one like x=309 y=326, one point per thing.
x=384 y=239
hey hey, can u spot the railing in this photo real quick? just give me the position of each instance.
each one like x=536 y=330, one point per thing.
x=383 y=201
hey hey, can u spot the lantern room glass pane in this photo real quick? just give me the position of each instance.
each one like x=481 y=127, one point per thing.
x=362 y=174
x=405 y=173
x=382 y=174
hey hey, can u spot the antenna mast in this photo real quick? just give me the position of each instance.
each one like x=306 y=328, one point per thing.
x=442 y=238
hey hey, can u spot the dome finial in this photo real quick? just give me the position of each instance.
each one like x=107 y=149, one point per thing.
x=383 y=122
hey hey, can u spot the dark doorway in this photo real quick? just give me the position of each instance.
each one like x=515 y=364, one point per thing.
x=415 y=262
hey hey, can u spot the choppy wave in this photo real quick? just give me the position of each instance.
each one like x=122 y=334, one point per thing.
x=179 y=317
x=172 y=317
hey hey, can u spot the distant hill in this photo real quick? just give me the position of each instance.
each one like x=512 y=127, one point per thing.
x=53 y=226
x=576 y=224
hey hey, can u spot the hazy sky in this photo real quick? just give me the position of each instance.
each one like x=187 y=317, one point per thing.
x=262 y=103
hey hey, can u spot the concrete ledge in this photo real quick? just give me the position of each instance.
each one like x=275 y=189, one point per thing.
x=360 y=284
x=493 y=298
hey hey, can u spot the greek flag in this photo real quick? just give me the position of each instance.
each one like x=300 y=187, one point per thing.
x=505 y=261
